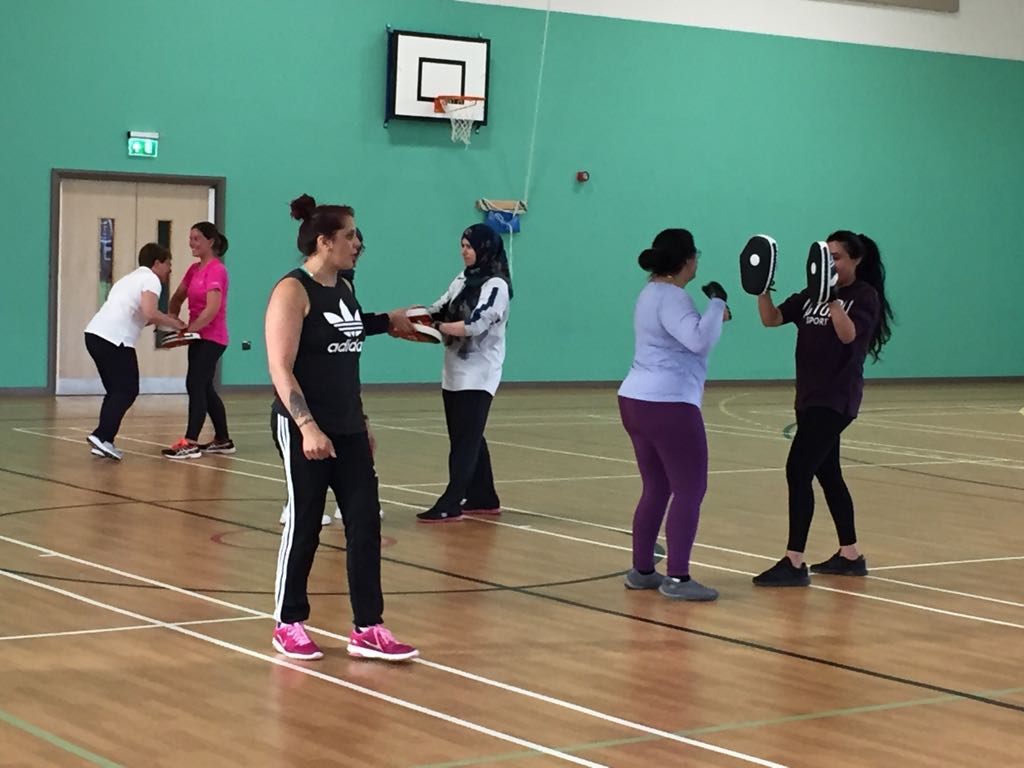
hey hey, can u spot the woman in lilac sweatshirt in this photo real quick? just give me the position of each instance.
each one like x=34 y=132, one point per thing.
x=659 y=402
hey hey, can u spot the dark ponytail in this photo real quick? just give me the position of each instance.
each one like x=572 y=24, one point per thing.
x=872 y=271
x=210 y=232
x=669 y=253
x=317 y=220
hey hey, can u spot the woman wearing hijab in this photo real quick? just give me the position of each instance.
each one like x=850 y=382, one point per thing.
x=472 y=316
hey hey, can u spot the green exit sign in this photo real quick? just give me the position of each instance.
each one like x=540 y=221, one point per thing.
x=143 y=144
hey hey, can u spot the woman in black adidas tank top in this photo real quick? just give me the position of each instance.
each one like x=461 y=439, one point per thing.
x=314 y=334
x=374 y=323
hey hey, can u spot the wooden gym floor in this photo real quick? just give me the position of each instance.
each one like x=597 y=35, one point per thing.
x=135 y=632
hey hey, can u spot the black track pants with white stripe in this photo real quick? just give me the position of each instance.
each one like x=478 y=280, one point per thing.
x=354 y=481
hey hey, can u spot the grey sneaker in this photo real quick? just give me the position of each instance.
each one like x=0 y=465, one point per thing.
x=687 y=590
x=104 y=448
x=636 y=580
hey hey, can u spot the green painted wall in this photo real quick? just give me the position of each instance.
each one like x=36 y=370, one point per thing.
x=725 y=133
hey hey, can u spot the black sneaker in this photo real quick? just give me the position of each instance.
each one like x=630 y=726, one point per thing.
x=182 y=449
x=837 y=565
x=784 y=574
x=218 y=446
x=439 y=516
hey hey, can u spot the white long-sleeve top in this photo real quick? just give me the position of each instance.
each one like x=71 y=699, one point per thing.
x=475 y=361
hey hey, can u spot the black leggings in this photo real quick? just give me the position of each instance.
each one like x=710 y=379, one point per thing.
x=119 y=371
x=469 y=461
x=202 y=397
x=815 y=453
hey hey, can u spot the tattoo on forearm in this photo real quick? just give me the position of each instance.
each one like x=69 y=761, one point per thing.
x=299 y=410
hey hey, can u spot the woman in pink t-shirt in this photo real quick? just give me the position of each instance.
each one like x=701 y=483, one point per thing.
x=205 y=287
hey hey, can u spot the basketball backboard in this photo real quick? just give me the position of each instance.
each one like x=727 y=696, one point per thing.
x=422 y=66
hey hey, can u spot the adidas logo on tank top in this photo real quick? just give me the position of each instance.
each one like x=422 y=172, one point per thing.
x=348 y=323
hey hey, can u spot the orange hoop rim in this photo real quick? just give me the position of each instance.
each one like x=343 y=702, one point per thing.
x=444 y=99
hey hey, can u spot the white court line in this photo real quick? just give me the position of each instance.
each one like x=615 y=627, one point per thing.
x=781 y=410
x=875 y=407
x=496 y=424
x=916 y=606
x=769 y=432
x=577 y=479
x=863 y=445
x=627 y=531
x=610 y=718
x=745 y=470
x=931 y=429
x=450 y=670
x=377 y=425
x=726 y=412
x=764 y=434
x=949 y=562
x=947 y=591
x=983 y=598
x=528 y=512
x=951 y=410
x=274 y=465
x=189 y=462
x=437 y=714
x=896 y=449
x=996 y=462
x=587 y=523
x=233 y=458
x=76 y=632
x=880 y=465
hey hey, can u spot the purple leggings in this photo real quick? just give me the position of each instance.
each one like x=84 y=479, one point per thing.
x=672 y=455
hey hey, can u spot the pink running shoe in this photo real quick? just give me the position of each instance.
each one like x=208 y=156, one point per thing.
x=377 y=643
x=293 y=642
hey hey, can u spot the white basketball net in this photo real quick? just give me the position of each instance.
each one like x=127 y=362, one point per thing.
x=462 y=127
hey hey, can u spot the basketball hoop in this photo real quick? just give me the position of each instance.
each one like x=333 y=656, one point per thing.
x=457 y=108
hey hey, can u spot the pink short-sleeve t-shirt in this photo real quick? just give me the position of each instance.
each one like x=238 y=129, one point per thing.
x=199 y=281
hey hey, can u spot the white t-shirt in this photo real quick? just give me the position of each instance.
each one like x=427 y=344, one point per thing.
x=120 y=319
x=475 y=361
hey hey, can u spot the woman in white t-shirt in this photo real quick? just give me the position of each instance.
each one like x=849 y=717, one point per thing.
x=111 y=335
x=473 y=313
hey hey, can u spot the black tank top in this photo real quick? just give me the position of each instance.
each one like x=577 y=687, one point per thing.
x=327 y=362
